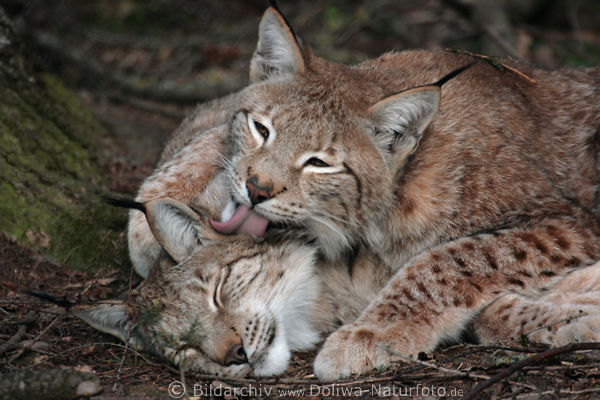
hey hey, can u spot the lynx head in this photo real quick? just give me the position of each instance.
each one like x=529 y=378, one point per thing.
x=231 y=306
x=319 y=144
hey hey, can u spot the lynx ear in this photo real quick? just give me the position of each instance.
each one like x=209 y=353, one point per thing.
x=177 y=227
x=278 y=51
x=109 y=317
x=399 y=120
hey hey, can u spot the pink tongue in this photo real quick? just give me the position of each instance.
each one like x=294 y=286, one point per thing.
x=244 y=220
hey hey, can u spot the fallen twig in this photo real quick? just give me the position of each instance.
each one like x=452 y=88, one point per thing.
x=528 y=361
x=50 y=325
x=478 y=348
x=445 y=370
x=496 y=63
x=12 y=342
x=540 y=395
x=118 y=377
x=42 y=333
x=25 y=321
x=75 y=348
x=561 y=367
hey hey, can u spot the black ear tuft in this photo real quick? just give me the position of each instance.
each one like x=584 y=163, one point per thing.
x=454 y=73
x=273 y=4
x=124 y=203
x=51 y=299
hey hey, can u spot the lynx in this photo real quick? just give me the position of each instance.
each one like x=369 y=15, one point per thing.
x=220 y=305
x=189 y=170
x=478 y=194
x=239 y=305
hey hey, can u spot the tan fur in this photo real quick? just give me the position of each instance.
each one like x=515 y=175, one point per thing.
x=263 y=298
x=230 y=292
x=192 y=175
x=191 y=160
x=481 y=202
x=233 y=305
x=499 y=193
x=566 y=311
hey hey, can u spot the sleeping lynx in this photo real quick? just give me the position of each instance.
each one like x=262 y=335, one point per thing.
x=477 y=194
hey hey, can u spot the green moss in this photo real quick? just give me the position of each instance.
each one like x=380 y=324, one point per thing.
x=50 y=179
x=151 y=315
x=508 y=360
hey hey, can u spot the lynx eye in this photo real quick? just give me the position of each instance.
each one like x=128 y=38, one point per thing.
x=317 y=162
x=261 y=129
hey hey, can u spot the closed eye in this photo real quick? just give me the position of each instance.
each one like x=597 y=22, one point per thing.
x=217 y=297
x=316 y=162
x=218 y=293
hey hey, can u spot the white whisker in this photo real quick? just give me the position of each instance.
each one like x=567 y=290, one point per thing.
x=328 y=224
x=224 y=161
x=333 y=217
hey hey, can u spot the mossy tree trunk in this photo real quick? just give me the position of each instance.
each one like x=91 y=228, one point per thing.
x=50 y=178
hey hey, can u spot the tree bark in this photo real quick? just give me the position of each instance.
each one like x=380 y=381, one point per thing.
x=50 y=175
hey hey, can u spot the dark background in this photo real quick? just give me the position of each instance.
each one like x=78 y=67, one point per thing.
x=142 y=64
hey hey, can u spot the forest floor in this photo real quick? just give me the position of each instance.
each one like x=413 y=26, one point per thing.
x=47 y=337
x=142 y=66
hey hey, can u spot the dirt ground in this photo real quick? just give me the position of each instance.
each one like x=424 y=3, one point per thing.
x=141 y=66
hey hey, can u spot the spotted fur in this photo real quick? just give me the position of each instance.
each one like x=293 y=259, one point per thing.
x=487 y=190
x=479 y=195
x=239 y=305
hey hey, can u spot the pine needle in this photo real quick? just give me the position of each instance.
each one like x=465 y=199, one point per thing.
x=494 y=62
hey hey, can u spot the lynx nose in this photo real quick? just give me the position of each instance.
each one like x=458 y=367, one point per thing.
x=235 y=355
x=257 y=193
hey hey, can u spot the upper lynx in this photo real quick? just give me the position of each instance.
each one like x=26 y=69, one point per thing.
x=482 y=188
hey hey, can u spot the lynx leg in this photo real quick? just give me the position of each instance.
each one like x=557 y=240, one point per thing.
x=440 y=291
x=190 y=176
x=565 y=312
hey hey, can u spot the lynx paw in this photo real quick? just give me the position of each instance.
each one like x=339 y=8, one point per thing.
x=352 y=349
x=584 y=329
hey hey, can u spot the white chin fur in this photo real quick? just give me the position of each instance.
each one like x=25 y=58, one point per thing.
x=331 y=239
x=276 y=360
x=228 y=211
